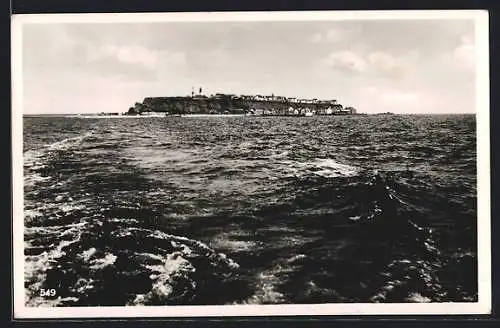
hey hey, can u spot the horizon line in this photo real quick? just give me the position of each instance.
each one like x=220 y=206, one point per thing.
x=360 y=113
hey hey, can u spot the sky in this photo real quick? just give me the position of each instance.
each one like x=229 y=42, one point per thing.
x=401 y=66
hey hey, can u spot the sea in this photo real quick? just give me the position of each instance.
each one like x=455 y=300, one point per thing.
x=249 y=210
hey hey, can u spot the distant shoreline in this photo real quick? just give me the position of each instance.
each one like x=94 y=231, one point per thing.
x=232 y=115
x=181 y=115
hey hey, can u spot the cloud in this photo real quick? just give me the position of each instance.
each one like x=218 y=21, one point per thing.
x=173 y=58
x=62 y=52
x=464 y=54
x=346 y=60
x=331 y=35
x=316 y=38
x=132 y=61
x=375 y=63
x=133 y=55
x=141 y=56
x=414 y=65
x=383 y=60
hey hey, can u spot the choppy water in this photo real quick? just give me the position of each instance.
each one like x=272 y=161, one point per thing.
x=249 y=210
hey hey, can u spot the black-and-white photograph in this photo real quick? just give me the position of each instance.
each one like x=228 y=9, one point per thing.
x=217 y=159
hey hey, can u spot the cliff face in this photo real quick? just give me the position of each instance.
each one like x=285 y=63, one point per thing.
x=221 y=105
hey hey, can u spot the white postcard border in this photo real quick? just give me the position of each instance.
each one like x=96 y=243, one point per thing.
x=483 y=306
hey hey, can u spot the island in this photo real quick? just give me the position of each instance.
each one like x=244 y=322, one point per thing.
x=231 y=104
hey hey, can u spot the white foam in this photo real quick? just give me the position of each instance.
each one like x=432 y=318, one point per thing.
x=225 y=242
x=152 y=256
x=32 y=179
x=68 y=142
x=35 y=267
x=297 y=257
x=70 y=207
x=34 y=159
x=108 y=259
x=166 y=270
x=266 y=290
x=86 y=255
x=417 y=298
x=83 y=285
x=174 y=265
x=355 y=218
x=32 y=213
x=327 y=168
x=331 y=168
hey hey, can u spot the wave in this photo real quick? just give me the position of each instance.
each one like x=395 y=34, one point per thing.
x=110 y=220
x=104 y=262
x=34 y=160
x=368 y=247
x=324 y=167
x=414 y=269
x=84 y=254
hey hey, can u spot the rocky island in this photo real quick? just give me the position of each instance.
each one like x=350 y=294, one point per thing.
x=237 y=104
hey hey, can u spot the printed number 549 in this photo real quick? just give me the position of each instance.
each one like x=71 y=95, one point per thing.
x=47 y=292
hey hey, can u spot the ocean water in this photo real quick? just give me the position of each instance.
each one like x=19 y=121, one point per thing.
x=250 y=210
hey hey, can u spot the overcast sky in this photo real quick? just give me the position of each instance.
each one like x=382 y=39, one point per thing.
x=376 y=66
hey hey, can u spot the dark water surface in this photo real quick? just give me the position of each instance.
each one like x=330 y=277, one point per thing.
x=250 y=210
